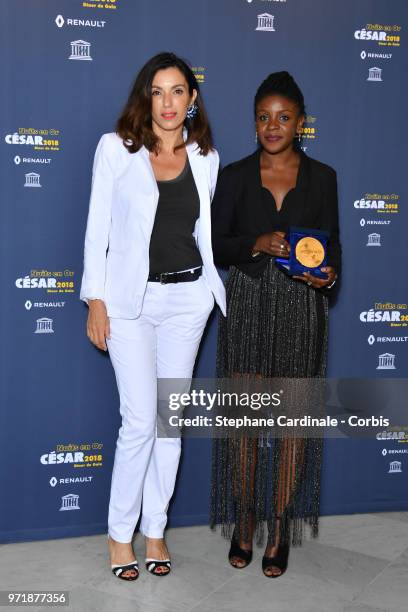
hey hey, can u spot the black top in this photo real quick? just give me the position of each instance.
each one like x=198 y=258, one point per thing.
x=172 y=245
x=243 y=209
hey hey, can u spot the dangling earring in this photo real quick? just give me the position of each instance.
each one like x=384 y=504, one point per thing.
x=192 y=111
x=256 y=137
x=299 y=137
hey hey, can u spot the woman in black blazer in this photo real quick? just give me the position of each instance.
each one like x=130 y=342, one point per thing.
x=276 y=325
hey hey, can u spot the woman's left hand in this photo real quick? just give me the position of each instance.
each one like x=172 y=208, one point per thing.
x=318 y=283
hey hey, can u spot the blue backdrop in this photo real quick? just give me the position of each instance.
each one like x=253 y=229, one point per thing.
x=66 y=70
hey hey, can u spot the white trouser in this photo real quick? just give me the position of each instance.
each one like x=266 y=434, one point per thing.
x=161 y=343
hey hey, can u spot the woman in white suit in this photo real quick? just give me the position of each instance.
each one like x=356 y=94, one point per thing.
x=150 y=282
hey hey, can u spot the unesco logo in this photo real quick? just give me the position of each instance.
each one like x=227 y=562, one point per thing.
x=374 y=240
x=265 y=23
x=374 y=74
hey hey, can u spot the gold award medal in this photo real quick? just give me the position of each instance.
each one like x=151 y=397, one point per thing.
x=309 y=252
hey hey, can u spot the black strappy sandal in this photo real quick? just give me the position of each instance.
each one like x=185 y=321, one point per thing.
x=240 y=553
x=280 y=561
x=153 y=564
x=118 y=570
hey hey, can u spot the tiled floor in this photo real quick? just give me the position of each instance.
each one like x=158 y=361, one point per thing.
x=358 y=564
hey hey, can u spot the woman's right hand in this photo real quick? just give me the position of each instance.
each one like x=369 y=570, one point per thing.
x=98 y=328
x=273 y=243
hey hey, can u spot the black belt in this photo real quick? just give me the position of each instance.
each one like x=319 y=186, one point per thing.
x=175 y=277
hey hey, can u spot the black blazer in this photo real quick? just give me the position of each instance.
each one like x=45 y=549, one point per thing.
x=242 y=210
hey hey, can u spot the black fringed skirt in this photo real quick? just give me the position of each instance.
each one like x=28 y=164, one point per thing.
x=276 y=327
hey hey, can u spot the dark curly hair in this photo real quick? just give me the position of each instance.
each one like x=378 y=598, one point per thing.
x=134 y=125
x=283 y=84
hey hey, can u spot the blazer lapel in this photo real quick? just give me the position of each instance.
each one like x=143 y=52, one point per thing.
x=200 y=173
x=142 y=188
x=200 y=169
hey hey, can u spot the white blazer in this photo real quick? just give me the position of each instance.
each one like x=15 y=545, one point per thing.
x=122 y=209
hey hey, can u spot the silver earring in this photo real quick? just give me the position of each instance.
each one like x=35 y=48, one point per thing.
x=299 y=137
x=192 y=111
x=256 y=137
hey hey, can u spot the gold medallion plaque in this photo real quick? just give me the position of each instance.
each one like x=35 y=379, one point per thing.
x=309 y=252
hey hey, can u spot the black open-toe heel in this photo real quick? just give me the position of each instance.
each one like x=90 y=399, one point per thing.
x=118 y=570
x=280 y=560
x=239 y=553
x=152 y=565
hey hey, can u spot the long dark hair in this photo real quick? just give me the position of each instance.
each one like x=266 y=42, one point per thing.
x=134 y=125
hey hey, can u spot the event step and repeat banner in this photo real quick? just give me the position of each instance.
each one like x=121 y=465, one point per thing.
x=66 y=70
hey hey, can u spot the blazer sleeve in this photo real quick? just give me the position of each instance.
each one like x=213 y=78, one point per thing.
x=98 y=224
x=330 y=222
x=229 y=247
x=214 y=170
